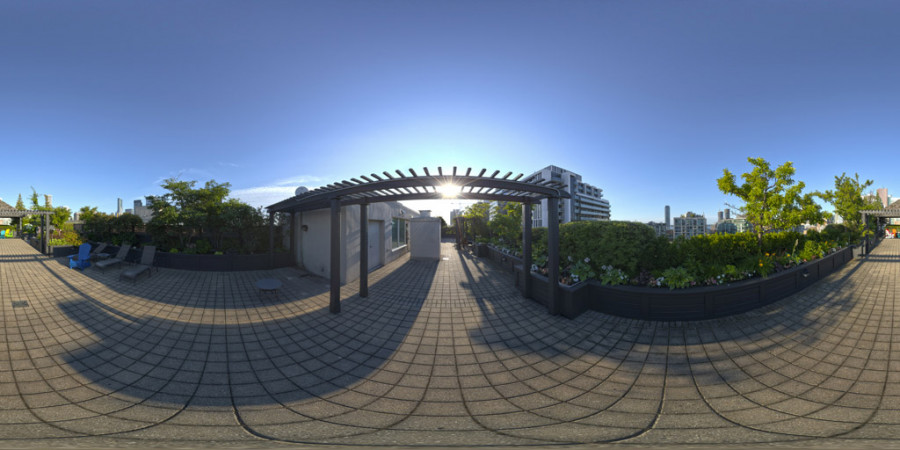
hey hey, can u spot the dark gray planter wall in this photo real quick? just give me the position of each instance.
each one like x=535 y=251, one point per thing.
x=60 y=251
x=209 y=263
x=685 y=304
x=508 y=262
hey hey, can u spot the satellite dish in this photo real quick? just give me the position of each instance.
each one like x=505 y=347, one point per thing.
x=301 y=190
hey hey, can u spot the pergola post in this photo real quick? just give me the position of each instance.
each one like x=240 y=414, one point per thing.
x=271 y=240
x=293 y=239
x=334 y=304
x=363 y=250
x=526 y=250
x=553 y=253
x=45 y=236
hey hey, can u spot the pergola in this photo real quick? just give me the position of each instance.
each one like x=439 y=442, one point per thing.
x=892 y=211
x=9 y=213
x=430 y=186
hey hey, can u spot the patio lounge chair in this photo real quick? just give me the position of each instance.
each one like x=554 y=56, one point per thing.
x=97 y=253
x=146 y=265
x=120 y=256
x=82 y=259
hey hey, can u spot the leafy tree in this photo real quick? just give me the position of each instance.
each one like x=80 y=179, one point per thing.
x=185 y=210
x=124 y=228
x=477 y=216
x=60 y=216
x=86 y=212
x=244 y=221
x=98 y=227
x=848 y=201
x=773 y=200
x=506 y=223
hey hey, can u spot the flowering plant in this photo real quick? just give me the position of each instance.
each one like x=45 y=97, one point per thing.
x=612 y=276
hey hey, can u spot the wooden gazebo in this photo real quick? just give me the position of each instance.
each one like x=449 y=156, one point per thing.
x=431 y=186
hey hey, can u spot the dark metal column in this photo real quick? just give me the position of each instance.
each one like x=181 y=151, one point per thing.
x=363 y=250
x=45 y=238
x=271 y=240
x=293 y=239
x=526 y=250
x=553 y=253
x=335 y=304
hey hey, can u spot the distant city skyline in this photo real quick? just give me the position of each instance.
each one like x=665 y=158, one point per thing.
x=647 y=100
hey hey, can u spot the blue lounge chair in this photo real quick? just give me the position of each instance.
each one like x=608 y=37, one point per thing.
x=82 y=259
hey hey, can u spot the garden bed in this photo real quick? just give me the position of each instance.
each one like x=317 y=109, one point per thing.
x=684 y=304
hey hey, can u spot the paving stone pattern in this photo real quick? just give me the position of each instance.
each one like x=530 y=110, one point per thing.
x=441 y=353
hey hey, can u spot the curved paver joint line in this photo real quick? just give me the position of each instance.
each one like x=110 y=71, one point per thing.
x=441 y=353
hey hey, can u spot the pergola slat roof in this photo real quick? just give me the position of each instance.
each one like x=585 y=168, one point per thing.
x=375 y=188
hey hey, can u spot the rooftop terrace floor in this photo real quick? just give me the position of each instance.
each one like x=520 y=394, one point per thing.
x=441 y=354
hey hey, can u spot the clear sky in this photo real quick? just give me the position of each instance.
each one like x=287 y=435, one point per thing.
x=648 y=100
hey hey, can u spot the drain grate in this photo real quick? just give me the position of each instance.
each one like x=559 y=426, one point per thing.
x=20 y=303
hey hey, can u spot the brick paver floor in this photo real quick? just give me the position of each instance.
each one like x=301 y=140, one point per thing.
x=441 y=353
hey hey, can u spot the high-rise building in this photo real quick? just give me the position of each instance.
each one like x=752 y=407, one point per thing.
x=883 y=196
x=587 y=202
x=119 y=211
x=689 y=225
x=727 y=214
x=668 y=217
x=142 y=211
x=721 y=216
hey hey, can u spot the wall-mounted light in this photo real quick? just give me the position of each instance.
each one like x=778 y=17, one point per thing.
x=805 y=273
x=304 y=227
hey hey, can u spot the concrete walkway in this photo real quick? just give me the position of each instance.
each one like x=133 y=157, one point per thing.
x=441 y=353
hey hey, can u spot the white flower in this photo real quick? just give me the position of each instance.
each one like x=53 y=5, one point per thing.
x=587 y=260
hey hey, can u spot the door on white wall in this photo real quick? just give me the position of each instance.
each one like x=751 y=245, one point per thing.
x=376 y=243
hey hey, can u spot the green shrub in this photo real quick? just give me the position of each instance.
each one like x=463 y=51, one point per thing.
x=617 y=244
x=203 y=246
x=677 y=278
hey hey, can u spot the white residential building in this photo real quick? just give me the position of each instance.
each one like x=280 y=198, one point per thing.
x=587 y=202
x=689 y=225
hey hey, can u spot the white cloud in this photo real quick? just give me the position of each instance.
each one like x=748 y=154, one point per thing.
x=299 y=181
x=263 y=195
x=275 y=192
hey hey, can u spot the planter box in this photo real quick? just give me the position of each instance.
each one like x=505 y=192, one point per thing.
x=684 y=304
x=573 y=300
x=508 y=262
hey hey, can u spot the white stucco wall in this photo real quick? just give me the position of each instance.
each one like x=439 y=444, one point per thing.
x=314 y=244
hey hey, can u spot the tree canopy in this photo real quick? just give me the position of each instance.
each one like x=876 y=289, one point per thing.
x=773 y=200
x=205 y=215
x=847 y=199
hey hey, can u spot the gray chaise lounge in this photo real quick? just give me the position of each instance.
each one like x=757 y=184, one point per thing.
x=120 y=257
x=146 y=265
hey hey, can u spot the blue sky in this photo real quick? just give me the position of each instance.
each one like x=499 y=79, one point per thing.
x=648 y=100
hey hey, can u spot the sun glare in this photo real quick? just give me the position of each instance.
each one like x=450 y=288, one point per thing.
x=449 y=190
